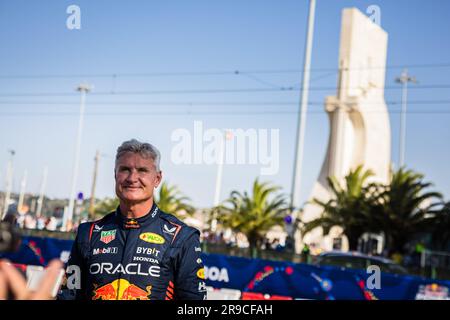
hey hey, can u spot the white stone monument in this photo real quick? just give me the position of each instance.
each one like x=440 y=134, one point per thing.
x=359 y=120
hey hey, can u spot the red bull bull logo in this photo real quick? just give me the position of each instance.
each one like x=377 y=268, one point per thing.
x=131 y=224
x=121 y=289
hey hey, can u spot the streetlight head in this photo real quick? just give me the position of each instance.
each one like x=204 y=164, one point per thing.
x=84 y=87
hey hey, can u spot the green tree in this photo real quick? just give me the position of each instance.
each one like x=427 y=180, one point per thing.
x=348 y=207
x=403 y=208
x=440 y=233
x=171 y=200
x=105 y=206
x=254 y=215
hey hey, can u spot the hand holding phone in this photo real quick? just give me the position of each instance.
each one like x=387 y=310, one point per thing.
x=43 y=284
x=37 y=274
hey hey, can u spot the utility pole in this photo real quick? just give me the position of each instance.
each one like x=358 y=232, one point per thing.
x=226 y=136
x=296 y=182
x=41 y=193
x=94 y=180
x=23 y=185
x=403 y=80
x=301 y=125
x=220 y=169
x=83 y=88
x=9 y=177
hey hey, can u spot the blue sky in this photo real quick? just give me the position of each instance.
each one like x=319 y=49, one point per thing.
x=123 y=37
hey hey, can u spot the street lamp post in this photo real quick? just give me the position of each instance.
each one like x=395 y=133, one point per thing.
x=300 y=141
x=94 y=181
x=227 y=136
x=41 y=193
x=83 y=88
x=23 y=185
x=9 y=177
x=403 y=79
x=296 y=182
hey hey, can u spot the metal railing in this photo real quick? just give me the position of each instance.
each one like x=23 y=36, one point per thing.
x=267 y=254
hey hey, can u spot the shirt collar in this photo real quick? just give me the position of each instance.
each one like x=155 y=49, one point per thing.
x=136 y=223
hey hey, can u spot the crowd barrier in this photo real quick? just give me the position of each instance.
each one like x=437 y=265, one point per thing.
x=231 y=278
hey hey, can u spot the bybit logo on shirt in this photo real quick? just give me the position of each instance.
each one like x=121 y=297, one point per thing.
x=147 y=251
x=151 y=237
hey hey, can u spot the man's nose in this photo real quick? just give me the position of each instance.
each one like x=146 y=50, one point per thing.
x=132 y=176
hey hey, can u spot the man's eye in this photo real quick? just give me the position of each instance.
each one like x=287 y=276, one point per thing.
x=144 y=170
x=124 y=169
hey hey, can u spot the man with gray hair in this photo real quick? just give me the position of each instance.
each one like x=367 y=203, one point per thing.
x=136 y=252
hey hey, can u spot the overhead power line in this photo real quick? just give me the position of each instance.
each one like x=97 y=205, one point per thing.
x=213 y=73
x=187 y=113
x=207 y=103
x=211 y=91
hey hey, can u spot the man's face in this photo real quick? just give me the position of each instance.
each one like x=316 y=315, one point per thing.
x=136 y=178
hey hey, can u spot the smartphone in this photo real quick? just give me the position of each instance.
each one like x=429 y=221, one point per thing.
x=35 y=275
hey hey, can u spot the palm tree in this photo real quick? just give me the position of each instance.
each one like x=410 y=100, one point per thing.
x=254 y=215
x=105 y=206
x=172 y=201
x=169 y=199
x=403 y=209
x=348 y=208
x=440 y=233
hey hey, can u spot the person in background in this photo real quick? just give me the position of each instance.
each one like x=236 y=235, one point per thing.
x=305 y=253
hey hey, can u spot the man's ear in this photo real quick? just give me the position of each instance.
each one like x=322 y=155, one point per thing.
x=158 y=178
